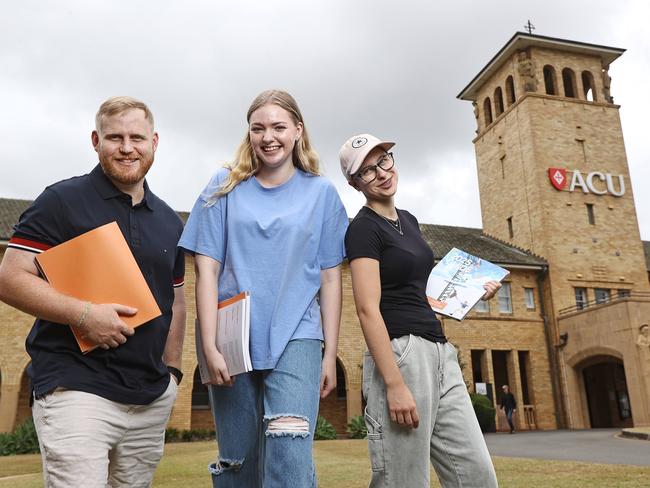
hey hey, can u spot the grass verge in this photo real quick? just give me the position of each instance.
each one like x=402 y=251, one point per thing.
x=344 y=463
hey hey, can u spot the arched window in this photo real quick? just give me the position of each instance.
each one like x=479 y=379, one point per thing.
x=200 y=397
x=498 y=101
x=341 y=389
x=550 y=82
x=23 y=411
x=487 y=110
x=569 y=81
x=588 y=86
x=510 y=90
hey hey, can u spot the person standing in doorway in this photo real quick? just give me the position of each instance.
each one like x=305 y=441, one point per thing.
x=509 y=406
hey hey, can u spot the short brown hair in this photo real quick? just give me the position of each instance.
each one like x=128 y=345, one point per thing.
x=117 y=105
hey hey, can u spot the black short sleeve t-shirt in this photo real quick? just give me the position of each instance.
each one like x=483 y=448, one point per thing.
x=134 y=372
x=405 y=262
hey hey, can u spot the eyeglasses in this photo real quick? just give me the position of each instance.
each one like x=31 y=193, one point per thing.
x=369 y=173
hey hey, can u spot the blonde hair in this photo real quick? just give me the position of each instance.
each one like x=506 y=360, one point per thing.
x=117 y=105
x=246 y=164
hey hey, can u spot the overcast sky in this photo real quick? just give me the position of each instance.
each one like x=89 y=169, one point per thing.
x=387 y=67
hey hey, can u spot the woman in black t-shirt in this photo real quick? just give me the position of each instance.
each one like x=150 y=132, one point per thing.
x=418 y=409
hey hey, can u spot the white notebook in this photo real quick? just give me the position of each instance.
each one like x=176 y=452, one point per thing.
x=233 y=336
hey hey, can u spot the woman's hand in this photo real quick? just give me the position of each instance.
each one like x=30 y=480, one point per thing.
x=491 y=289
x=327 y=376
x=366 y=286
x=206 y=289
x=330 y=309
x=218 y=370
x=401 y=404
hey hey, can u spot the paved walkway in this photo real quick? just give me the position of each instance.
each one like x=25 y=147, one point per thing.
x=603 y=446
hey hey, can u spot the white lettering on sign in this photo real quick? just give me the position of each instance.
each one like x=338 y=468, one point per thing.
x=590 y=182
x=610 y=185
x=596 y=182
x=578 y=180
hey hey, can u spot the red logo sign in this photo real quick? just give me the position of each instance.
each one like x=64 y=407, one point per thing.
x=557 y=177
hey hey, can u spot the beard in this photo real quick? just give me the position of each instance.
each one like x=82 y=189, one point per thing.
x=126 y=176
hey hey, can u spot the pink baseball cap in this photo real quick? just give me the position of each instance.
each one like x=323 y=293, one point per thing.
x=355 y=150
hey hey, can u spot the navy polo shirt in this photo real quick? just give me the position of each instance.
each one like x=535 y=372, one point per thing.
x=133 y=372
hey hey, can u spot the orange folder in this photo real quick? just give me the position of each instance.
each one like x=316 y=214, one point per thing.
x=98 y=267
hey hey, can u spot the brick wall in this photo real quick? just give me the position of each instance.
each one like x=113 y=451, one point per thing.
x=334 y=410
x=14 y=326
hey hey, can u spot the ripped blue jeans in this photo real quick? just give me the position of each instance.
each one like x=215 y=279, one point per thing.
x=265 y=422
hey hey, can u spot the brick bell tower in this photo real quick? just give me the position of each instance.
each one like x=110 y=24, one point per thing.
x=554 y=179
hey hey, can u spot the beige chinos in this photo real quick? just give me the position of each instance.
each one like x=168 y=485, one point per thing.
x=91 y=442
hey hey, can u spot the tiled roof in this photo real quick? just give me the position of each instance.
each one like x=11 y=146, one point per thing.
x=442 y=238
x=10 y=210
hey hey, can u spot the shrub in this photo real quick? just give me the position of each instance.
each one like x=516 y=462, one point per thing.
x=324 y=430
x=172 y=435
x=485 y=412
x=22 y=441
x=356 y=428
x=191 y=435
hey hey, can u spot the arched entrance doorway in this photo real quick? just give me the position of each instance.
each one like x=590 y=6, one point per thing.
x=606 y=392
x=334 y=407
x=24 y=411
x=201 y=413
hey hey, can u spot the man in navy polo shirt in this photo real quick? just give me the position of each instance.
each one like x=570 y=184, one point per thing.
x=101 y=417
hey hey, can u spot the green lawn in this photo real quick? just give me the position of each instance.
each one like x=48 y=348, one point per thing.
x=344 y=464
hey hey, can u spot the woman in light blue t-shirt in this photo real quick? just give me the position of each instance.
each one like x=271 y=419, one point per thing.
x=270 y=225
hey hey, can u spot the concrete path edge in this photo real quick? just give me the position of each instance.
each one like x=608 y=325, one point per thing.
x=643 y=434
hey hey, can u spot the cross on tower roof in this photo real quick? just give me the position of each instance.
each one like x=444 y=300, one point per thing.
x=529 y=27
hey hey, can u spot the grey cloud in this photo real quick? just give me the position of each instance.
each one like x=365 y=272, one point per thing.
x=391 y=68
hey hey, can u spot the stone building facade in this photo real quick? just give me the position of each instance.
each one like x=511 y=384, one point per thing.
x=565 y=332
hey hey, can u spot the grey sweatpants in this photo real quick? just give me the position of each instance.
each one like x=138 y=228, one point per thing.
x=448 y=435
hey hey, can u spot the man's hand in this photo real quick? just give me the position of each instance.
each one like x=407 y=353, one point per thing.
x=103 y=326
x=402 y=406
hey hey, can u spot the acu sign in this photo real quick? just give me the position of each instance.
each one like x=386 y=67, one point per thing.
x=596 y=182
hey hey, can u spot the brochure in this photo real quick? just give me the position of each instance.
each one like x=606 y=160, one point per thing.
x=233 y=336
x=455 y=284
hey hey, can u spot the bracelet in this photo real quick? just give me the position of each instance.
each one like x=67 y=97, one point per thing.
x=84 y=313
x=176 y=372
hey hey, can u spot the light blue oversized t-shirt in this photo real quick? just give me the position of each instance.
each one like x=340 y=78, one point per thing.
x=273 y=242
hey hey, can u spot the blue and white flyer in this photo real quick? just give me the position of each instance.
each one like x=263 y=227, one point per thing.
x=455 y=284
